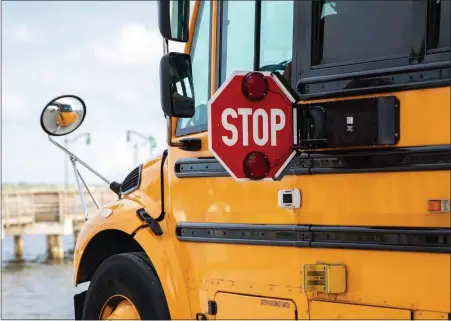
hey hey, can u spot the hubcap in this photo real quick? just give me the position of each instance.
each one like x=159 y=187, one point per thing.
x=119 y=307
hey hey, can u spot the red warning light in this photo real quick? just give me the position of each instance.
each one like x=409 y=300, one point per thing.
x=255 y=86
x=256 y=165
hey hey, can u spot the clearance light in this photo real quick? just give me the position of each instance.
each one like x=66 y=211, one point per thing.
x=254 y=86
x=438 y=206
x=256 y=165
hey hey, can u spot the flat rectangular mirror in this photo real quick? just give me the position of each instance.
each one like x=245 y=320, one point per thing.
x=176 y=85
x=173 y=19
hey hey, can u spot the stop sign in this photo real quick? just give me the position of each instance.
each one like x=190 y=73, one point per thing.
x=238 y=126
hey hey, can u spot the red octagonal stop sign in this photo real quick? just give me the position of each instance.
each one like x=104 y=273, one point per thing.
x=238 y=126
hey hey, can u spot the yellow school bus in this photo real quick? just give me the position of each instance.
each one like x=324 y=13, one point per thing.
x=357 y=223
x=66 y=116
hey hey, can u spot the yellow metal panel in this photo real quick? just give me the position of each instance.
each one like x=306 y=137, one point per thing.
x=337 y=311
x=429 y=315
x=378 y=199
x=237 y=306
x=164 y=258
x=415 y=281
x=123 y=218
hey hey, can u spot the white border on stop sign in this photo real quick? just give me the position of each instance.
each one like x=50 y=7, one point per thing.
x=287 y=94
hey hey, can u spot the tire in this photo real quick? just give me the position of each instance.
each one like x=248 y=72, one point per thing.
x=130 y=275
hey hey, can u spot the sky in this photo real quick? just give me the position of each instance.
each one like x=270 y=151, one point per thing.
x=107 y=53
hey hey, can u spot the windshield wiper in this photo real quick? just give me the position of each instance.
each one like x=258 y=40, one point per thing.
x=281 y=66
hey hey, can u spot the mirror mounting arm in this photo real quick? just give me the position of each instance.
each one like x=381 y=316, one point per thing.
x=114 y=186
x=77 y=177
x=86 y=186
x=72 y=156
x=169 y=126
x=165 y=46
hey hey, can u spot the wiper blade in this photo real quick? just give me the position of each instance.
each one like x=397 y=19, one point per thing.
x=276 y=67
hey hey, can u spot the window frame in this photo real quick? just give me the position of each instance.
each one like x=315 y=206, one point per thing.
x=179 y=132
x=308 y=80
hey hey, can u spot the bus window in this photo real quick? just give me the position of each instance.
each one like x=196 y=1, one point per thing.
x=439 y=24
x=444 y=30
x=349 y=31
x=237 y=37
x=276 y=35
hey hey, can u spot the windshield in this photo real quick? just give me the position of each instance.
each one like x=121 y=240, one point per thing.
x=276 y=35
x=64 y=107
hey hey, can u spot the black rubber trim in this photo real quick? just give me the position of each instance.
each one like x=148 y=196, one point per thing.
x=387 y=83
x=425 y=158
x=257 y=33
x=421 y=158
x=163 y=160
x=431 y=240
x=278 y=235
x=79 y=301
x=199 y=167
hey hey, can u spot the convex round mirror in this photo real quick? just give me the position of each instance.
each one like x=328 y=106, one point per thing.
x=63 y=115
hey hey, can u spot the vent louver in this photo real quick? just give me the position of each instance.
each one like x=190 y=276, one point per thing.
x=132 y=181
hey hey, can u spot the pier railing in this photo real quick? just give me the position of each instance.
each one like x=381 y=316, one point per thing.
x=29 y=207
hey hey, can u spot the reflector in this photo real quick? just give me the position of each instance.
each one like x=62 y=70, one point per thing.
x=438 y=206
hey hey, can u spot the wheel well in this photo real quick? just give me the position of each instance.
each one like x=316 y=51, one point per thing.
x=102 y=246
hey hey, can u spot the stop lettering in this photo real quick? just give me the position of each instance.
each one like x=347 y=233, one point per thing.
x=264 y=125
x=240 y=127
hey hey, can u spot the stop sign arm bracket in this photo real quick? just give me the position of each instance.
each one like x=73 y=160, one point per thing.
x=310 y=126
x=365 y=122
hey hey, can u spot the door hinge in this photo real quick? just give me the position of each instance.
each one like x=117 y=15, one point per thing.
x=151 y=223
x=212 y=307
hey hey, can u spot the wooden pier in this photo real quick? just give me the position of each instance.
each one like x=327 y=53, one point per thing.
x=53 y=213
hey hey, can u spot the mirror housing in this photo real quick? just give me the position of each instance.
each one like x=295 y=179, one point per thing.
x=63 y=115
x=176 y=85
x=173 y=19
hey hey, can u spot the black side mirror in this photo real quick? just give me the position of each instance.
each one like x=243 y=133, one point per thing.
x=173 y=19
x=176 y=85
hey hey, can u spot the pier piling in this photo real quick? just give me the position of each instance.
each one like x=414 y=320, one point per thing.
x=18 y=247
x=55 y=247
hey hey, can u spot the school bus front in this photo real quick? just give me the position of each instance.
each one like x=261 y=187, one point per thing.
x=356 y=223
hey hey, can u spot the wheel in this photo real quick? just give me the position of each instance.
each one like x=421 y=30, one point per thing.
x=125 y=287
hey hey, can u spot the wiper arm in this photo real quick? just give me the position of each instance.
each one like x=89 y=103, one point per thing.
x=276 y=67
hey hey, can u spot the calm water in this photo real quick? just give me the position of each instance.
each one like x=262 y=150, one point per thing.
x=37 y=289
